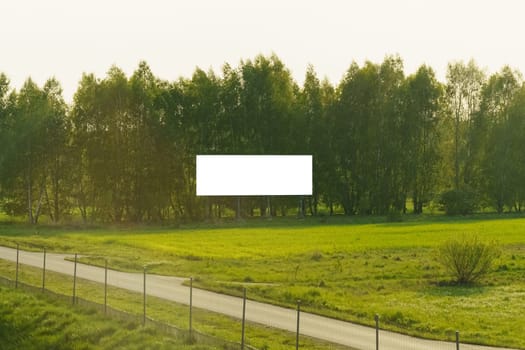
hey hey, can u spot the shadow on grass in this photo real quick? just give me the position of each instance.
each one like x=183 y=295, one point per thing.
x=452 y=289
x=18 y=228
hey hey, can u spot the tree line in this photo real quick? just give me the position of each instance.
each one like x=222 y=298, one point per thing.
x=382 y=142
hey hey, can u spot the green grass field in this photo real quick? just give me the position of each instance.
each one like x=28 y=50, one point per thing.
x=348 y=269
x=31 y=322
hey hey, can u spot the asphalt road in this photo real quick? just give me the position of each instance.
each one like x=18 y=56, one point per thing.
x=171 y=288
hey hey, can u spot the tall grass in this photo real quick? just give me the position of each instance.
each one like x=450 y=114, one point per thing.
x=30 y=322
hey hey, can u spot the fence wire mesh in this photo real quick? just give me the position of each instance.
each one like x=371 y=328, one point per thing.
x=377 y=339
x=113 y=313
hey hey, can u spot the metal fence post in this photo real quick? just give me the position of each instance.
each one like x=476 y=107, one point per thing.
x=106 y=287
x=17 y=260
x=376 y=317
x=238 y=214
x=243 y=317
x=75 y=280
x=144 y=301
x=191 y=303
x=298 y=316
x=44 y=272
x=457 y=340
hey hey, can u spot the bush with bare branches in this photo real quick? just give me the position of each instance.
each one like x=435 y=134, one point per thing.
x=467 y=258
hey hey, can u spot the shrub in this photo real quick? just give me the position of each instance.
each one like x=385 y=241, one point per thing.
x=467 y=258
x=458 y=202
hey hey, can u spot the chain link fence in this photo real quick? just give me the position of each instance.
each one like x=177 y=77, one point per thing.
x=193 y=337
x=374 y=339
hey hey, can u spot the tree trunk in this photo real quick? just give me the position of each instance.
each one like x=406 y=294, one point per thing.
x=456 y=145
x=39 y=205
x=56 y=190
x=29 y=200
x=48 y=203
x=316 y=205
x=310 y=206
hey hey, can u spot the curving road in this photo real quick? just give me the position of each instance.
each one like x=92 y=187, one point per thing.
x=171 y=288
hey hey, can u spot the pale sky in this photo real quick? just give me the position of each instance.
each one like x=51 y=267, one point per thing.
x=64 y=38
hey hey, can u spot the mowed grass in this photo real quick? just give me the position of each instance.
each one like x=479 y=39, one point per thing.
x=337 y=268
x=31 y=322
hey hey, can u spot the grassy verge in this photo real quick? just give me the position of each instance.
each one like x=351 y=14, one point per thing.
x=209 y=323
x=31 y=322
x=348 y=270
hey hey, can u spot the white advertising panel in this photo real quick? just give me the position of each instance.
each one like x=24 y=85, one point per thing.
x=254 y=175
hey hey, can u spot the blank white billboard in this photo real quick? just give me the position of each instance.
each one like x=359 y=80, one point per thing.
x=254 y=175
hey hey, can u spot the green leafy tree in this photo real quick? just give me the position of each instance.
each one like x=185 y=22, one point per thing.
x=33 y=128
x=6 y=106
x=490 y=163
x=308 y=126
x=325 y=149
x=422 y=111
x=103 y=126
x=367 y=140
x=85 y=146
x=503 y=163
x=268 y=100
x=58 y=159
x=201 y=129
x=464 y=84
x=149 y=182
